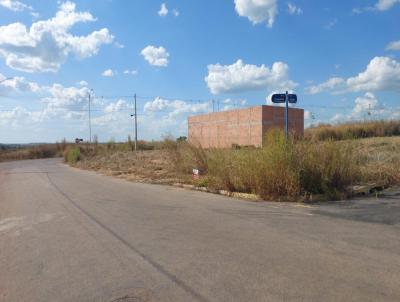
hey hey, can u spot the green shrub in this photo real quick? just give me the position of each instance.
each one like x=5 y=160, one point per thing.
x=72 y=155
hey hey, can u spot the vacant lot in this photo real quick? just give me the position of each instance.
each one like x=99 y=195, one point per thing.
x=153 y=166
x=278 y=172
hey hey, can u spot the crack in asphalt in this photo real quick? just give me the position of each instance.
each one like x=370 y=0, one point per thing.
x=145 y=257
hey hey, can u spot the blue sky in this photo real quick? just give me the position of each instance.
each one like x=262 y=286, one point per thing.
x=342 y=58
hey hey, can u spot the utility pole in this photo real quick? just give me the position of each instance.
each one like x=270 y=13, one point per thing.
x=90 y=117
x=213 y=105
x=135 y=125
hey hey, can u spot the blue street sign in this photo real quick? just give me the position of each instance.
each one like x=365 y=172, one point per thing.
x=292 y=98
x=285 y=98
x=278 y=98
x=281 y=98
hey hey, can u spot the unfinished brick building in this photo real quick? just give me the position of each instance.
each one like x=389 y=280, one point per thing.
x=244 y=127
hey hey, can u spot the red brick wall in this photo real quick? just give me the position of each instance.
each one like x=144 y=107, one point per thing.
x=243 y=126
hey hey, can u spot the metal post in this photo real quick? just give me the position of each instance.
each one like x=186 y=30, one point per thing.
x=287 y=115
x=135 y=125
x=90 y=119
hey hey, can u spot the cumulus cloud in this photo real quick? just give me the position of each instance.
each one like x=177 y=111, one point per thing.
x=258 y=11
x=15 y=5
x=175 y=107
x=381 y=74
x=163 y=10
x=67 y=103
x=156 y=56
x=108 y=73
x=365 y=103
x=293 y=9
x=395 y=45
x=383 y=5
x=17 y=84
x=331 y=84
x=61 y=97
x=240 y=77
x=45 y=46
x=118 y=106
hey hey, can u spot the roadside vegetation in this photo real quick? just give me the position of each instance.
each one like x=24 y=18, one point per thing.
x=326 y=163
x=9 y=153
x=346 y=131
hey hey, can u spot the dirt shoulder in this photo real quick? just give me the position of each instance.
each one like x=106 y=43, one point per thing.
x=152 y=166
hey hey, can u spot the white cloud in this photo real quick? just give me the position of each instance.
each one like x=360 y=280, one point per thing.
x=383 y=5
x=240 y=77
x=156 y=56
x=258 y=11
x=381 y=74
x=65 y=97
x=67 y=103
x=118 y=106
x=45 y=46
x=17 y=84
x=131 y=72
x=163 y=10
x=83 y=83
x=175 y=107
x=229 y=104
x=293 y=9
x=15 y=5
x=395 y=45
x=108 y=73
x=331 y=84
x=365 y=103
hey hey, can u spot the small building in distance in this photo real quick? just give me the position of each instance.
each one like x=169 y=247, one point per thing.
x=243 y=127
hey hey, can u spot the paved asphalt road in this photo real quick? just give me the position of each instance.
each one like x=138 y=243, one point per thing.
x=71 y=235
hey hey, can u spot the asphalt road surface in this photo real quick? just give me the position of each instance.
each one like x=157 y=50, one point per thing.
x=72 y=235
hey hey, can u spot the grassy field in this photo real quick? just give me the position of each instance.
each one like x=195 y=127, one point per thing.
x=281 y=170
x=346 y=131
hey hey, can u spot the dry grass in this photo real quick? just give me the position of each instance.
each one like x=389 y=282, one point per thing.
x=293 y=170
x=36 y=152
x=353 y=130
x=380 y=159
x=281 y=170
x=153 y=166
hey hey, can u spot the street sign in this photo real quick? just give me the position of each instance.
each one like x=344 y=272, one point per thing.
x=281 y=98
x=285 y=98
x=292 y=98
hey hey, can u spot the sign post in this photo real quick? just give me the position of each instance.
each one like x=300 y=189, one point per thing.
x=285 y=98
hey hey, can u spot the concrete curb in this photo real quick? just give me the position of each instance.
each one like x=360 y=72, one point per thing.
x=239 y=195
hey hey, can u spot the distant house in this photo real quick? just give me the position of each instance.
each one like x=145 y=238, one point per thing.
x=244 y=127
